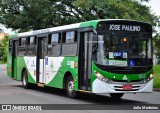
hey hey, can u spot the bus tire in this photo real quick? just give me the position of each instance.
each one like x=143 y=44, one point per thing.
x=25 y=83
x=116 y=95
x=70 y=88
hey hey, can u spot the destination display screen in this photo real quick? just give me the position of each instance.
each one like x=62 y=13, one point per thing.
x=116 y=27
x=128 y=26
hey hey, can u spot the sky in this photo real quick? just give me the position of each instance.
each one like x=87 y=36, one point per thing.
x=154 y=4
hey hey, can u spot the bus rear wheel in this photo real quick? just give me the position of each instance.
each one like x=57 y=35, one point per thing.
x=25 y=83
x=70 y=88
x=116 y=95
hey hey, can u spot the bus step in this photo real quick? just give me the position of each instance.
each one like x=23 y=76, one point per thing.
x=40 y=84
x=84 y=91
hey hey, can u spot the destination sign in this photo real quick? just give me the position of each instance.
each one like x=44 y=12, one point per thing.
x=116 y=27
x=126 y=26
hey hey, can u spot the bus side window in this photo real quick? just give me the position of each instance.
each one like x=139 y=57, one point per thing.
x=23 y=42
x=70 y=36
x=49 y=39
x=55 y=38
x=69 y=45
x=10 y=46
x=54 y=45
x=22 y=47
x=31 y=40
x=31 y=46
x=19 y=41
x=49 y=49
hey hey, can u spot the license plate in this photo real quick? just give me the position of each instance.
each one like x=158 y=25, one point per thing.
x=127 y=87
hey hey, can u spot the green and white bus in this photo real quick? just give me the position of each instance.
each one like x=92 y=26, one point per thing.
x=110 y=56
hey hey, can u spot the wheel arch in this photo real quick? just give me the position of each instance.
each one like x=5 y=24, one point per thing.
x=24 y=69
x=66 y=75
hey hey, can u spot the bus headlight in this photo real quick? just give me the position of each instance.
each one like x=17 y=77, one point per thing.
x=102 y=78
x=148 y=79
x=151 y=76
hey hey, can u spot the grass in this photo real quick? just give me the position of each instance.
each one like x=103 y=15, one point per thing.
x=156 y=70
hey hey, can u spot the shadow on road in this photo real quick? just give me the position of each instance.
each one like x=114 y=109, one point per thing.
x=89 y=98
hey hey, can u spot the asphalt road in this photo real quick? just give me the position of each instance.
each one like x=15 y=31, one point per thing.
x=12 y=92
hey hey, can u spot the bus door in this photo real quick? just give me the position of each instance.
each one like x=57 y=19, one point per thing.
x=14 y=58
x=41 y=54
x=84 y=63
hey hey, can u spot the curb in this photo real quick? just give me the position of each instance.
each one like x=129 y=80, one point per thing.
x=156 y=89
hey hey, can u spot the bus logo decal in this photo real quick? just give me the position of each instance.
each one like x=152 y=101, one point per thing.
x=125 y=77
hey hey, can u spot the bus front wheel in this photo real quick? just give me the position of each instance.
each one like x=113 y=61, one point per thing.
x=70 y=88
x=116 y=95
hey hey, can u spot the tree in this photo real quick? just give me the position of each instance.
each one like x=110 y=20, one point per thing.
x=37 y=14
x=157 y=46
x=3 y=49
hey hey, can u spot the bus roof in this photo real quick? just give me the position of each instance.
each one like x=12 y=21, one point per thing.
x=92 y=23
x=41 y=31
x=13 y=35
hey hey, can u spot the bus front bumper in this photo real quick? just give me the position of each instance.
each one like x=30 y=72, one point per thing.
x=101 y=87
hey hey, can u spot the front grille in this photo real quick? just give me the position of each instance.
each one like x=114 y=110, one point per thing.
x=126 y=90
x=126 y=80
x=128 y=71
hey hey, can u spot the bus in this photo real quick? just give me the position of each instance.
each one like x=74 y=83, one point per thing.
x=109 y=56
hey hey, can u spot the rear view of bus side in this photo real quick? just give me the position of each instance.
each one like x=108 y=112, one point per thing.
x=99 y=56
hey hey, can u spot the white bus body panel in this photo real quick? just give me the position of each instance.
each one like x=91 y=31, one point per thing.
x=102 y=87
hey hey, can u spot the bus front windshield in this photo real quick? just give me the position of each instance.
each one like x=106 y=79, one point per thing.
x=121 y=50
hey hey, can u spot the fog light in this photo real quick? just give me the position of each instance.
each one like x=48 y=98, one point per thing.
x=109 y=81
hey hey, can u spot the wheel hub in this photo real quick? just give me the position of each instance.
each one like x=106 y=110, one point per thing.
x=71 y=87
x=24 y=81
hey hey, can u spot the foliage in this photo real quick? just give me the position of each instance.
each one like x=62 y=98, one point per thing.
x=37 y=14
x=156 y=70
x=156 y=40
x=3 y=49
x=24 y=15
